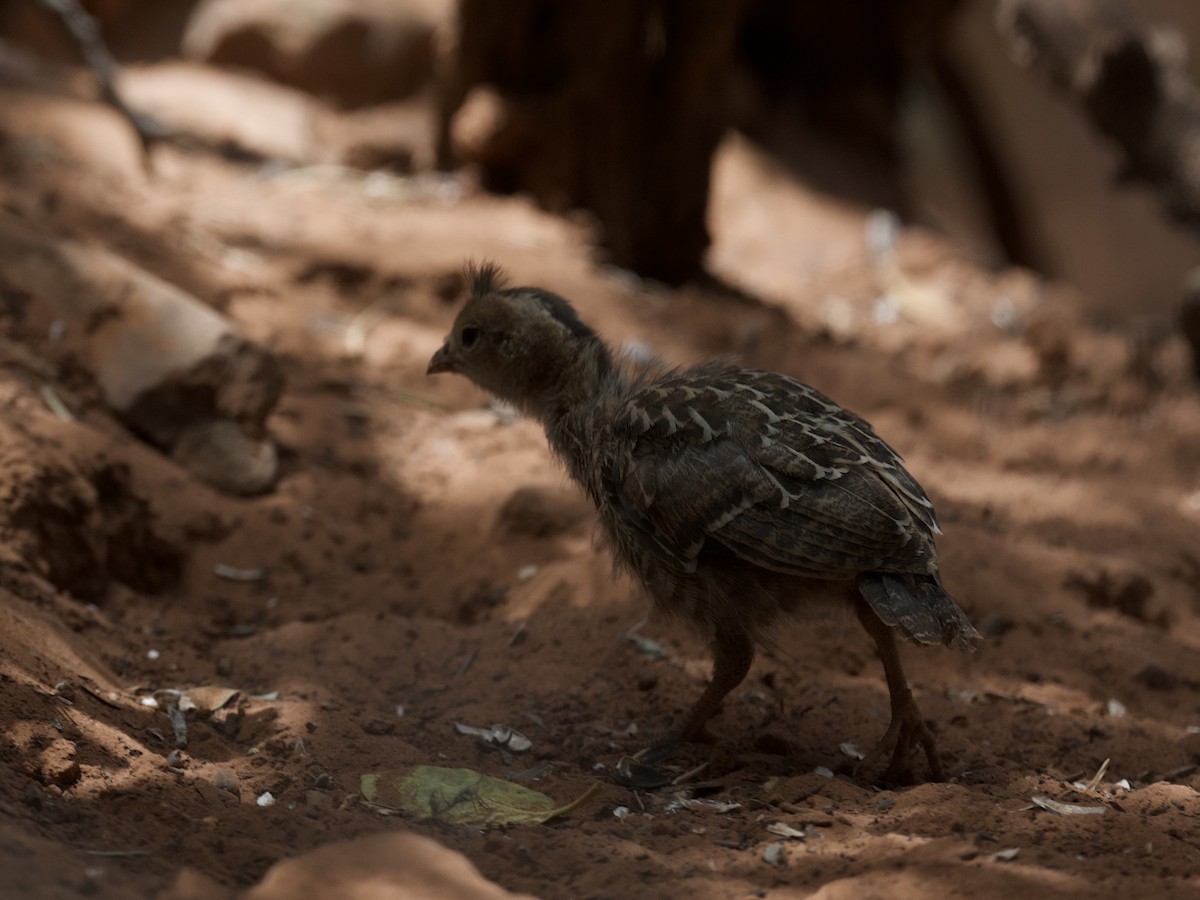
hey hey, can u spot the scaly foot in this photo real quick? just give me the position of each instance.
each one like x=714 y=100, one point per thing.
x=906 y=730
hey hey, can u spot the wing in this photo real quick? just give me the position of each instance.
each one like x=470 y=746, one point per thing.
x=773 y=470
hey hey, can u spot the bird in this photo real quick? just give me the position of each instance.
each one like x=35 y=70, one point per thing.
x=737 y=497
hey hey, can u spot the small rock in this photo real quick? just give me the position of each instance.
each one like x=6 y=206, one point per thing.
x=776 y=854
x=378 y=726
x=218 y=452
x=226 y=780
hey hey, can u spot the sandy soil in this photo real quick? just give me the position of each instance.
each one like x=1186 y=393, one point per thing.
x=424 y=563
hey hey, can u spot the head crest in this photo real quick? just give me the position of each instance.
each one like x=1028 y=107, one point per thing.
x=484 y=278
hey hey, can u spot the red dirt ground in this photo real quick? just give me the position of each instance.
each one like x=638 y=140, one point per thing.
x=423 y=552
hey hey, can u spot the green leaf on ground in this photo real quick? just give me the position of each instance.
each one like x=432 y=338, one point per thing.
x=462 y=796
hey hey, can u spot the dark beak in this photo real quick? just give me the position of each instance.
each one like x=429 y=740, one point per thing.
x=443 y=361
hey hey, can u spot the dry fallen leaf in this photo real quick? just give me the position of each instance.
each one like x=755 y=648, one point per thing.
x=209 y=698
x=1066 y=809
x=462 y=796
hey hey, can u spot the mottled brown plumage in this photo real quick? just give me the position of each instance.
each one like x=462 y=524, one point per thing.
x=736 y=496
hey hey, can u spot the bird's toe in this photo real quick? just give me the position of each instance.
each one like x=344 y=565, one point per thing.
x=905 y=732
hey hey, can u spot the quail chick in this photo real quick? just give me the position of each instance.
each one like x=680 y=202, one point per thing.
x=736 y=496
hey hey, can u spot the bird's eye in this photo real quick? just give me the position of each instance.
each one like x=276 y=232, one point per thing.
x=469 y=337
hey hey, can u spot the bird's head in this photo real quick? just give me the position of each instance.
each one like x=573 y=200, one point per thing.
x=525 y=345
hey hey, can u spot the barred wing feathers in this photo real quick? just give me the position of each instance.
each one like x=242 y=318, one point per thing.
x=773 y=470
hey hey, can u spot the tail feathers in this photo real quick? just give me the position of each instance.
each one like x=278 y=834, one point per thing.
x=919 y=608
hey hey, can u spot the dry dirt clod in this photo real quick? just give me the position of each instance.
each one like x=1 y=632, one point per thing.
x=57 y=764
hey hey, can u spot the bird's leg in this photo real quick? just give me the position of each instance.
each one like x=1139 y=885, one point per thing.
x=733 y=651
x=907 y=726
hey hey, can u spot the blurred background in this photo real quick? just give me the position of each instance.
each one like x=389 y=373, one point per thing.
x=924 y=107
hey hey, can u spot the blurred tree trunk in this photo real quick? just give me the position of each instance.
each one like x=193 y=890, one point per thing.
x=615 y=107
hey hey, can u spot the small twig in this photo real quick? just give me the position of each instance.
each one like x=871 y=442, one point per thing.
x=51 y=695
x=520 y=629
x=1095 y=782
x=689 y=775
x=467 y=663
x=232 y=573
x=56 y=405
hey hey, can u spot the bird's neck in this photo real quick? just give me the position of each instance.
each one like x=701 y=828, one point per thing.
x=567 y=382
x=567 y=407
